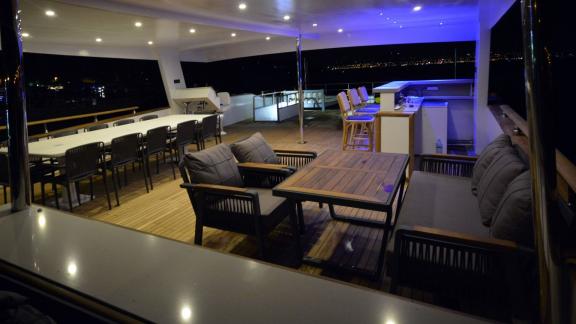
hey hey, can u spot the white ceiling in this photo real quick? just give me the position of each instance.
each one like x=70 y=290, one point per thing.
x=167 y=22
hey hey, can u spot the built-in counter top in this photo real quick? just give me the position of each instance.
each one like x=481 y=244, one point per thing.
x=397 y=86
x=165 y=281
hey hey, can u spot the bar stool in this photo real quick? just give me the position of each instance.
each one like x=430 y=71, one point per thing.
x=355 y=127
x=364 y=95
x=358 y=106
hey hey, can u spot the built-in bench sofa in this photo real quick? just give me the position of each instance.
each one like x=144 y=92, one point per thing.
x=466 y=226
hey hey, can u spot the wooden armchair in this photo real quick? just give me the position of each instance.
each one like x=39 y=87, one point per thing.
x=246 y=210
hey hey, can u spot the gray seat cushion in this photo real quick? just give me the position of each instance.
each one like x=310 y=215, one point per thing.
x=254 y=149
x=486 y=157
x=215 y=165
x=505 y=166
x=441 y=201
x=268 y=202
x=513 y=217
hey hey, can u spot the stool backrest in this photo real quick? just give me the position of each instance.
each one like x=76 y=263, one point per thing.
x=363 y=94
x=344 y=104
x=354 y=98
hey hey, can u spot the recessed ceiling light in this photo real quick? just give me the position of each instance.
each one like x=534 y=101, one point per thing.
x=50 y=13
x=286 y=17
x=138 y=24
x=441 y=23
x=417 y=8
x=242 y=6
x=98 y=39
x=381 y=13
x=267 y=37
x=340 y=30
x=314 y=25
x=233 y=35
x=150 y=43
x=25 y=35
x=192 y=30
x=400 y=26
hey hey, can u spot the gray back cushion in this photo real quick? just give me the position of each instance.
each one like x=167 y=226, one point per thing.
x=505 y=166
x=215 y=165
x=513 y=217
x=486 y=157
x=254 y=149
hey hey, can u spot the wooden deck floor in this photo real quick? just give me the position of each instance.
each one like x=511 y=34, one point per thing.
x=166 y=211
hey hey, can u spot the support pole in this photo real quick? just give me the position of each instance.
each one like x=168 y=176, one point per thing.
x=540 y=108
x=300 y=88
x=16 y=100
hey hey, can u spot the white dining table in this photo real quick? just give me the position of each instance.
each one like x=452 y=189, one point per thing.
x=56 y=147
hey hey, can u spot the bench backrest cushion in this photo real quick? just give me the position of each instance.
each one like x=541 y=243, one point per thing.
x=215 y=165
x=513 y=217
x=505 y=166
x=486 y=157
x=254 y=149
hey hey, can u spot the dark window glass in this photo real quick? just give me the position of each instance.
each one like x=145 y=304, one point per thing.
x=60 y=85
x=507 y=69
x=333 y=69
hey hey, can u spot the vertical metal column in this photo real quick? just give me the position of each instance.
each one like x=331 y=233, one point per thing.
x=540 y=109
x=300 y=88
x=16 y=99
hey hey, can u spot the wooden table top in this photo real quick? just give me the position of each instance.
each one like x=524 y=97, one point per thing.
x=354 y=178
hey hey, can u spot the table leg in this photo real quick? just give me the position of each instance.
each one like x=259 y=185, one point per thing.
x=295 y=232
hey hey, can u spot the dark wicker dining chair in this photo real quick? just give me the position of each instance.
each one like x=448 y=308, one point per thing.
x=123 y=122
x=156 y=143
x=65 y=133
x=209 y=128
x=96 y=127
x=123 y=151
x=148 y=117
x=186 y=134
x=80 y=163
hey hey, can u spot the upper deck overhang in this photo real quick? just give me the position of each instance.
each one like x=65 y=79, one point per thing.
x=167 y=24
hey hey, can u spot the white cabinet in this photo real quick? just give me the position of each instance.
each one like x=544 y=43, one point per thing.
x=432 y=133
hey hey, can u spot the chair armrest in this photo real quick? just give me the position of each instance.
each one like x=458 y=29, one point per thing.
x=217 y=188
x=266 y=168
x=447 y=236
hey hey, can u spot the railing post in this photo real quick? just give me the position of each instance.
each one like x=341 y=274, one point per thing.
x=540 y=110
x=300 y=84
x=16 y=99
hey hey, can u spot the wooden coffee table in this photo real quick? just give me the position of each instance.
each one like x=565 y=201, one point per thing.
x=365 y=180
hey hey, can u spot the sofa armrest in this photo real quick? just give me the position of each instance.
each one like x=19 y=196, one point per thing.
x=455 y=165
x=457 y=237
